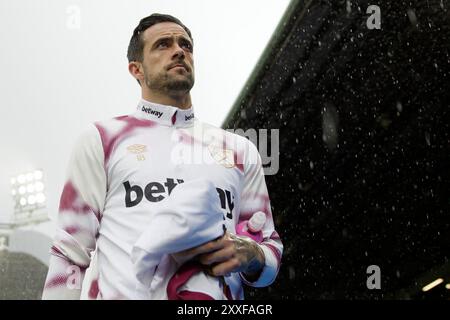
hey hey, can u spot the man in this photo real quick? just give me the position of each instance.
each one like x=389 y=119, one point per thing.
x=121 y=169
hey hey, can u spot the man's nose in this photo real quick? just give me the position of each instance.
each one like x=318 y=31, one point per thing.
x=179 y=52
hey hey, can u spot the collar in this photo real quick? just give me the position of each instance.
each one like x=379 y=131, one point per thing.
x=164 y=115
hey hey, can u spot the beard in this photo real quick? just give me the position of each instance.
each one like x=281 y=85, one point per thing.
x=168 y=83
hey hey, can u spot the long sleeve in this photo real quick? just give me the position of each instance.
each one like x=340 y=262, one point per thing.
x=255 y=198
x=80 y=209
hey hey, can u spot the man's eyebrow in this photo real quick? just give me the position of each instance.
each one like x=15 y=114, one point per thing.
x=186 y=39
x=170 y=38
x=162 y=39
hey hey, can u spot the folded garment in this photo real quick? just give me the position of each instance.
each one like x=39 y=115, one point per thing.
x=191 y=216
x=190 y=283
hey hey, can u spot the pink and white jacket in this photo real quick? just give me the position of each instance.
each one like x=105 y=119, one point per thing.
x=123 y=171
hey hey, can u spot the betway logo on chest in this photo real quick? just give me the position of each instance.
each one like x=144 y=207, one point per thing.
x=151 y=111
x=153 y=191
x=157 y=191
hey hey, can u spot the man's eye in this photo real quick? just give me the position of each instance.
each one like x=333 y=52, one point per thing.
x=162 y=44
x=187 y=45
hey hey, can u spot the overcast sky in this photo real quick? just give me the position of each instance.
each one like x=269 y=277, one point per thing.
x=59 y=73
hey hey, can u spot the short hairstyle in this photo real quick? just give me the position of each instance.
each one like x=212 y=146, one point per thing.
x=136 y=46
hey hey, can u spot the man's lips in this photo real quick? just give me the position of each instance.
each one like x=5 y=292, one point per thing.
x=179 y=65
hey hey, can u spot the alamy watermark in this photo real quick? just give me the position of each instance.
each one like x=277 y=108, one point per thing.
x=73 y=21
x=374 y=20
x=374 y=278
x=210 y=145
x=74 y=279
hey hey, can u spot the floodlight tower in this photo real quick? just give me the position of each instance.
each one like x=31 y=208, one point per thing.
x=27 y=190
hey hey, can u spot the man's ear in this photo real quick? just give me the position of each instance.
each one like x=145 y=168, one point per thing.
x=136 y=70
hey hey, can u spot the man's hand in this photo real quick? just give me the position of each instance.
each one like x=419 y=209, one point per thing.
x=229 y=253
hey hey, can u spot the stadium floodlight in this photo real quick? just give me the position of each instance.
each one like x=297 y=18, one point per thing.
x=27 y=190
x=40 y=198
x=23 y=202
x=22 y=190
x=38 y=175
x=31 y=199
x=38 y=186
x=21 y=179
x=30 y=188
x=433 y=284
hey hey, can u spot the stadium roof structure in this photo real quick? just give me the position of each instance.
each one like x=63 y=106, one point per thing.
x=364 y=140
x=22 y=276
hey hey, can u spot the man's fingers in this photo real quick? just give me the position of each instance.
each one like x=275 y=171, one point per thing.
x=224 y=268
x=217 y=256
x=201 y=249
x=208 y=247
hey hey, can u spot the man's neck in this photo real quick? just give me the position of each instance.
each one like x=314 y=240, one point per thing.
x=182 y=101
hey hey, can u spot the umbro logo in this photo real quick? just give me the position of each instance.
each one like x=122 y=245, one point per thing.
x=138 y=149
x=189 y=117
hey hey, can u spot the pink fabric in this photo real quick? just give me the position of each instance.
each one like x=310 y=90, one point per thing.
x=174 y=117
x=189 y=295
x=93 y=290
x=71 y=200
x=109 y=141
x=182 y=275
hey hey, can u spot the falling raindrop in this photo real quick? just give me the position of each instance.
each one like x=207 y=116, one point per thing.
x=412 y=17
x=349 y=6
x=330 y=127
x=291 y=273
x=427 y=138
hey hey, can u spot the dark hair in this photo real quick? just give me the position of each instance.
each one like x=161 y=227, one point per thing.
x=136 y=45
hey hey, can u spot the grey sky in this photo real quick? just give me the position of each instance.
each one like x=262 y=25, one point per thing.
x=56 y=80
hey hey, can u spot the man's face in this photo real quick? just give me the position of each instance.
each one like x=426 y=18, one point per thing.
x=168 y=63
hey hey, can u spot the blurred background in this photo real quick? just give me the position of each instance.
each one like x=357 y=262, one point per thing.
x=359 y=93
x=64 y=67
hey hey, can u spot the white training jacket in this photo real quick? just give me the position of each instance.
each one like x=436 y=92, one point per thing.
x=190 y=217
x=120 y=171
